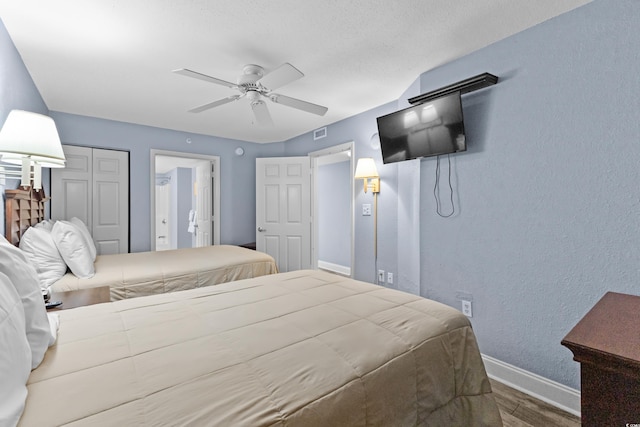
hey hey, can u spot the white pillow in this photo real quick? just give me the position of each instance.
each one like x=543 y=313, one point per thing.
x=47 y=224
x=40 y=249
x=14 y=265
x=15 y=354
x=87 y=236
x=54 y=324
x=74 y=248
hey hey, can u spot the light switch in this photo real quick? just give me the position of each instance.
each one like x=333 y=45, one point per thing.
x=366 y=209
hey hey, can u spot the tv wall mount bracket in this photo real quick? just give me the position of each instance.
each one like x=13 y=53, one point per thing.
x=463 y=86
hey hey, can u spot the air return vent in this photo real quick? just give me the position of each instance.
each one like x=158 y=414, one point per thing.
x=319 y=133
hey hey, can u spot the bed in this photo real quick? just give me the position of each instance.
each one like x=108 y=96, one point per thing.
x=305 y=348
x=65 y=256
x=147 y=273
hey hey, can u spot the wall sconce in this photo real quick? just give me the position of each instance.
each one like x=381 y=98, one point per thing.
x=29 y=139
x=366 y=170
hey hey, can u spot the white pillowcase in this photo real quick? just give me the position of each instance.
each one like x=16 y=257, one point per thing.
x=74 y=249
x=14 y=265
x=40 y=249
x=15 y=354
x=47 y=224
x=87 y=236
x=54 y=324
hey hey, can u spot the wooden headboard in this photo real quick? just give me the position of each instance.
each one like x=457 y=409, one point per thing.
x=24 y=207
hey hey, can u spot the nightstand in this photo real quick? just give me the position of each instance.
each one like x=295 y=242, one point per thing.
x=606 y=342
x=251 y=245
x=80 y=298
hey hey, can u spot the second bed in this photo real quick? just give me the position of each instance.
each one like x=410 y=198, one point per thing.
x=147 y=273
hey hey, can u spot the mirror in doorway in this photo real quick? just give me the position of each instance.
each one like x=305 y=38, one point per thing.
x=334 y=193
x=183 y=202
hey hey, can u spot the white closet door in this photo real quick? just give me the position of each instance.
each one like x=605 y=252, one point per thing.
x=94 y=186
x=71 y=187
x=110 y=208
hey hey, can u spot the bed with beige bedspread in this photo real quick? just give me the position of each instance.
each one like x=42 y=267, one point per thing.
x=147 y=273
x=303 y=348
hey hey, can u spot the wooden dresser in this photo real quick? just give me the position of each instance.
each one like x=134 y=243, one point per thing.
x=606 y=342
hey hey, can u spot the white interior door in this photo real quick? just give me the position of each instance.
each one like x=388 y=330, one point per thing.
x=283 y=211
x=203 y=204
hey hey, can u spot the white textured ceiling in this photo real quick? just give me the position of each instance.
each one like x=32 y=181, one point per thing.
x=112 y=59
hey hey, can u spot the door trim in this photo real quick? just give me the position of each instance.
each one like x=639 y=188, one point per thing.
x=315 y=157
x=215 y=160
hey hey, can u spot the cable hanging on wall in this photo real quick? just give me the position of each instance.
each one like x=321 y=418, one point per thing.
x=436 y=189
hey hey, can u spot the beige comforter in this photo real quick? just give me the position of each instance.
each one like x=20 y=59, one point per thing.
x=147 y=273
x=302 y=348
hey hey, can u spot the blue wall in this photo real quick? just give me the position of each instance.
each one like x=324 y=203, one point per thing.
x=17 y=90
x=548 y=191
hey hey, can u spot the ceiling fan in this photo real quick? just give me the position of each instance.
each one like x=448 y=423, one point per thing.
x=255 y=85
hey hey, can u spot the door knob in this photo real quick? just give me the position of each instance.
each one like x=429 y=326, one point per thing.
x=260 y=229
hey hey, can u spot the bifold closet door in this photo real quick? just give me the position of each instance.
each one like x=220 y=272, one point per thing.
x=94 y=186
x=110 y=224
x=72 y=186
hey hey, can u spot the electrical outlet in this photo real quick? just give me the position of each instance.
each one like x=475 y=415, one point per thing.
x=466 y=308
x=390 y=278
x=380 y=276
x=366 y=209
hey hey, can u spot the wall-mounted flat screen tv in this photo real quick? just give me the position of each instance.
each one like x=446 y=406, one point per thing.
x=429 y=129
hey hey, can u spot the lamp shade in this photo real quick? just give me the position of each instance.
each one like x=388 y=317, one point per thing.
x=366 y=168
x=33 y=136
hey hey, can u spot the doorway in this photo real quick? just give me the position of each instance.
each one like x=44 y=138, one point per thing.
x=332 y=204
x=185 y=195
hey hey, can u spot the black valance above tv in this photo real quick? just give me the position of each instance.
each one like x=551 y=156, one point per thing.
x=463 y=86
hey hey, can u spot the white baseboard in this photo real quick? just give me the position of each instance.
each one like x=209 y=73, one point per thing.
x=551 y=392
x=335 y=268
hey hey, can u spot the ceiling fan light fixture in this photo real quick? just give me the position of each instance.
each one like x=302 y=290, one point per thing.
x=253 y=96
x=253 y=83
x=253 y=69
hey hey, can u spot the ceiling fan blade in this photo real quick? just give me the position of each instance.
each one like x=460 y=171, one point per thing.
x=196 y=75
x=261 y=112
x=299 y=104
x=284 y=74
x=215 y=104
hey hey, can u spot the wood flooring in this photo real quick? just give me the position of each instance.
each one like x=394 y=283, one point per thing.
x=521 y=410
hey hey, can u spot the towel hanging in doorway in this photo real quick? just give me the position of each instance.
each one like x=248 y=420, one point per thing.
x=192 y=221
